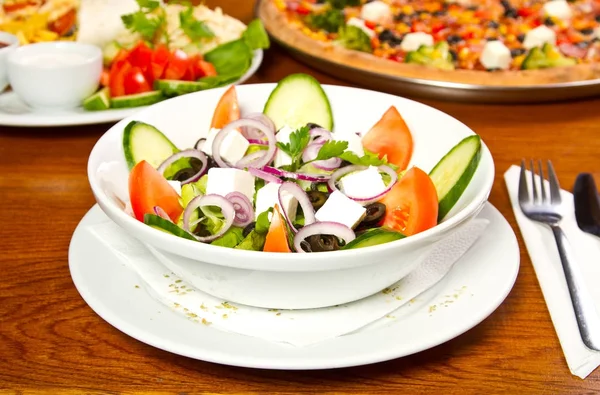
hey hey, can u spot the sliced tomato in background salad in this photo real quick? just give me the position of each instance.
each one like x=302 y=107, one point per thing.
x=135 y=82
x=177 y=66
x=148 y=188
x=118 y=71
x=159 y=61
x=141 y=56
x=277 y=240
x=390 y=136
x=411 y=204
x=204 y=68
x=227 y=110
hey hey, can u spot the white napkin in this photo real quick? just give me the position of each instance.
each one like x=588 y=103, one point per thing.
x=546 y=262
x=293 y=327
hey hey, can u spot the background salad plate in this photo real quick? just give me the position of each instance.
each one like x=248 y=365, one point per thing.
x=14 y=112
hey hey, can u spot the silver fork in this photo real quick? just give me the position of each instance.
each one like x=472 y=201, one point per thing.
x=546 y=209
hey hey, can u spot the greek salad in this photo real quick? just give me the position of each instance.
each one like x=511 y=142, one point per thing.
x=284 y=181
x=172 y=50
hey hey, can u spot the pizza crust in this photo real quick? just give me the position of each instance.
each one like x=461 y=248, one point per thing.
x=278 y=26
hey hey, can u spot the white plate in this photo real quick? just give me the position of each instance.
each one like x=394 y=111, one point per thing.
x=14 y=112
x=474 y=288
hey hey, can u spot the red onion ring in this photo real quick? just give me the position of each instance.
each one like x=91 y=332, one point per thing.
x=188 y=153
x=331 y=184
x=200 y=143
x=209 y=200
x=297 y=176
x=253 y=133
x=248 y=160
x=266 y=158
x=294 y=189
x=268 y=177
x=257 y=142
x=312 y=151
x=244 y=212
x=162 y=213
x=320 y=135
x=336 y=229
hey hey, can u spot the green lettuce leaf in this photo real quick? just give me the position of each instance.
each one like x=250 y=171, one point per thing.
x=253 y=242
x=230 y=239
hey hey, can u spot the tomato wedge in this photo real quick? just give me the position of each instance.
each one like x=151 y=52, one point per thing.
x=411 y=204
x=135 y=82
x=178 y=65
x=205 y=69
x=390 y=136
x=228 y=109
x=159 y=61
x=277 y=237
x=141 y=56
x=148 y=188
x=118 y=71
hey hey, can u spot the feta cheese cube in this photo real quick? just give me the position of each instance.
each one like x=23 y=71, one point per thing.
x=359 y=23
x=558 y=9
x=267 y=196
x=377 y=11
x=363 y=184
x=495 y=55
x=283 y=136
x=233 y=148
x=342 y=209
x=176 y=186
x=223 y=181
x=354 y=141
x=412 y=41
x=539 y=36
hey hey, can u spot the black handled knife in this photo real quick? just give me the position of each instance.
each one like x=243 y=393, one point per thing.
x=587 y=204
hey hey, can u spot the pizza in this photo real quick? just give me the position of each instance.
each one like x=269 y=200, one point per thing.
x=482 y=42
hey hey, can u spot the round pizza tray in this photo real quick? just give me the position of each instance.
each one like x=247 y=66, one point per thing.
x=442 y=90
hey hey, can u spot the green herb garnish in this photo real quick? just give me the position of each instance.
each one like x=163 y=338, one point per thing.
x=331 y=20
x=352 y=37
x=299 y=139
x=196 y=30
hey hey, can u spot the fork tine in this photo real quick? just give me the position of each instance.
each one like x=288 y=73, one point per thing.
x=533 y=187
x=554 y=185
x=523 y=189
x=542 y=186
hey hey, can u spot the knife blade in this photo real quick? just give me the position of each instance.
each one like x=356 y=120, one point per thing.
x=587 y=204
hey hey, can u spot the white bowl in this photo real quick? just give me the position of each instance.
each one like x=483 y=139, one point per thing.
x=289 y=281
x=13 y=42
x=55 y=75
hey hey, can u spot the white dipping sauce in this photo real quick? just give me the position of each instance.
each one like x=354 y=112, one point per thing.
x=51 y=60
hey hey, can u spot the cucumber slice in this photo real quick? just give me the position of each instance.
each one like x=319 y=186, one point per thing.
x=144 y=142
x=166 y=226
x=110 y=52
x=373 y=237
x=454 y=171
x=141 y=99
x=98 y=101
x=172 y=88
x=297 y=100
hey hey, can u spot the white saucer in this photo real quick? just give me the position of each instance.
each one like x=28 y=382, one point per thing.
x=474 y=288
x=14 y=112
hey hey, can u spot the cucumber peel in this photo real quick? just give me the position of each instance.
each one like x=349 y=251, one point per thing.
x=166 y=226
x=137 y=100
x=99 y=101
x=373 y=237
x=453 y=173
x=297 y=100
x=144 y=142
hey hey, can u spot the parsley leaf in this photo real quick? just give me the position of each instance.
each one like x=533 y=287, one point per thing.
x=150 y=5
x=368 y=159
x=332 y=149
x=141 y=23
x=298 y=142
x=193 y=28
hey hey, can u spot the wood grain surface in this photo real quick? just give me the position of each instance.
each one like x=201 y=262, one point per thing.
x=52 y=342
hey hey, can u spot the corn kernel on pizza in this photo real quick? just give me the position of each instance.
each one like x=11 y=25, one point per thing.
x=484 y=42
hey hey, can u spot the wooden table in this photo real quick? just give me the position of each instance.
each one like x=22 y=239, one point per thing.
x=52 y=342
